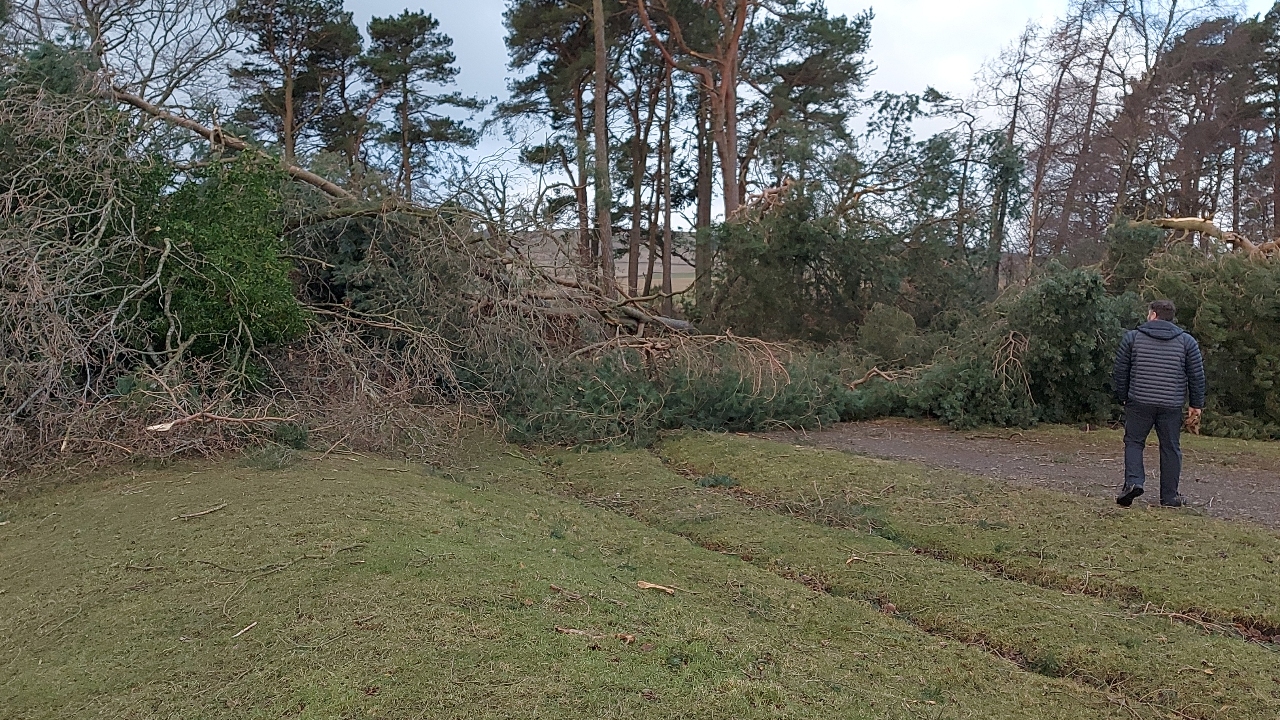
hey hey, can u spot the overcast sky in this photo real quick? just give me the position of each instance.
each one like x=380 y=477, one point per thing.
x=914 y=43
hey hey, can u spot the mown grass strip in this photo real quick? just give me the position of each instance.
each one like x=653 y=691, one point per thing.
x=1088 y=639
x=1189 y=564
x=426 y=597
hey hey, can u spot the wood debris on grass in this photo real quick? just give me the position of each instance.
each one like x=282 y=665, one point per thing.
x=202 y=513
x=651 y=586
x=626 y=638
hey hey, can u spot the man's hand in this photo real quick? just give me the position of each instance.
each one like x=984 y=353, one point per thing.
x=1192 y=423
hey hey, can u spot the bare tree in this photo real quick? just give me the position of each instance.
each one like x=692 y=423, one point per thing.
x=161 y=50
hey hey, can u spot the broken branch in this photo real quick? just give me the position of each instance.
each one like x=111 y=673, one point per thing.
x=202 y=513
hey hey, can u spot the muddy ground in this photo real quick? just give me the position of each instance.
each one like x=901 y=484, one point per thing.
x=1226 y=479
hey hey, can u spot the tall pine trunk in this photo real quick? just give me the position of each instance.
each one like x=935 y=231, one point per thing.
x=604 y=195
x=704 y=249
x=666 y=200
x=585 y=258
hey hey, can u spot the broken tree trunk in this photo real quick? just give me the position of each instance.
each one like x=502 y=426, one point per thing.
x=1206 y=227
x=217 y=137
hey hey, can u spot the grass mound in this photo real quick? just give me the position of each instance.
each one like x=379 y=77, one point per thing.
x=357 y=587
x=1179 y=561
x=1143 y=658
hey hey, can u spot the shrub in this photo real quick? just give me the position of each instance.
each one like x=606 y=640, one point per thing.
x=1232 y=306
x=1041 y=354
x=625 y=399
x=217 y=242
x=1072 y=328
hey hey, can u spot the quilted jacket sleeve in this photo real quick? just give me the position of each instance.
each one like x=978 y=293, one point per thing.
x=1195 y=372
x=1124 y=363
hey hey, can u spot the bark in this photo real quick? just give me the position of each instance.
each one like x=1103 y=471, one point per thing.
x=1042 y=162
x=1207 y=229
x=718 y=73
x=639 y=164
x=1275 y=177
x=585 y=257
x=667 y=305
x=604 y=197
x=704 y=249
x=406 y=150
x=287 y=129
x=1237 y=171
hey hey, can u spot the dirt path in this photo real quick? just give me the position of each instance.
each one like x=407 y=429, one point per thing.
x=1229 y=483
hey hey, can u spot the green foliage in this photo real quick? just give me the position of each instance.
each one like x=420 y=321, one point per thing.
x=716 y=481
x=56 y=69
x=1232 y=306
x=619 y=400
x=890 y=334
x=1042 y=354
x=1072 y=328
x=405 y=53
x=219 y=239
x=291 y=435
x=1129 y=245
x=798 y=275
x=968 y=392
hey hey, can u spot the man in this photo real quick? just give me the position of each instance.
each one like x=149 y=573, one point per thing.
x=1157 y=367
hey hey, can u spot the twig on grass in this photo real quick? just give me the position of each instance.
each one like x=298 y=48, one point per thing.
x=650 y=586
x=247 y=628
x=202 y=513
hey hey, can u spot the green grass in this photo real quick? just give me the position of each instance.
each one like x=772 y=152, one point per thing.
x=361 y=588
x=1177 y=560
x=1093 y=641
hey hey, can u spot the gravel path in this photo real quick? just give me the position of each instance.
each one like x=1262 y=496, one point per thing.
x=1249 y=493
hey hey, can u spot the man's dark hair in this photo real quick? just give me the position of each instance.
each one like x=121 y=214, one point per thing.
x=1164 y=310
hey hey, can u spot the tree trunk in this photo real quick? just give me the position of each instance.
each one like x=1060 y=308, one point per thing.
x=667 y=305
x=1237 y=172
x=639 y=164
x=961 y=197
x=1275 y=179
x=406 y=157
x=704 y=249
x=585 y=257
x=1042 y=165
x=633 y=245
x=724 y=132
x=604 y=196
x=655 y=209
x=287 y=121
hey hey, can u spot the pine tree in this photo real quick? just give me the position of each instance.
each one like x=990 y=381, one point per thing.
x=288 y=71
x=406 y=54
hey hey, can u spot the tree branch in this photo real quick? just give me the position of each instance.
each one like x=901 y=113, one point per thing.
x=217 y=136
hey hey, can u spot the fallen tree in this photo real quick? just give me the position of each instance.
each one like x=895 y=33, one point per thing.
x=1207 y=228
x=152 y=308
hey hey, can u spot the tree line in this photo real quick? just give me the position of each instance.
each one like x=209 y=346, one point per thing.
x=239 y=209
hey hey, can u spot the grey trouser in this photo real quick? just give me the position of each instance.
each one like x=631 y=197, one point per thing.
x=1138 y=421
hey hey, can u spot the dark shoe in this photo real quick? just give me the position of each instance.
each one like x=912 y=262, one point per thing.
x=1177 y=501
x=1130 y=492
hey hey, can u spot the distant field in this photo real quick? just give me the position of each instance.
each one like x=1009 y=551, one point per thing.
x=793 y=583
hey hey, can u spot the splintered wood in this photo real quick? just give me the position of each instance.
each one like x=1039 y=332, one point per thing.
x=650 y=586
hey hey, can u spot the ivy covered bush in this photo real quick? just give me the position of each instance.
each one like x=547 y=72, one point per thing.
x=217 y=242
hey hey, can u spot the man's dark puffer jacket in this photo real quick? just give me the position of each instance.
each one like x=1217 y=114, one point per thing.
x=1157 y=364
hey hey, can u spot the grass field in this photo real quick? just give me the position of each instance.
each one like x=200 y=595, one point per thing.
x=803 y=584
